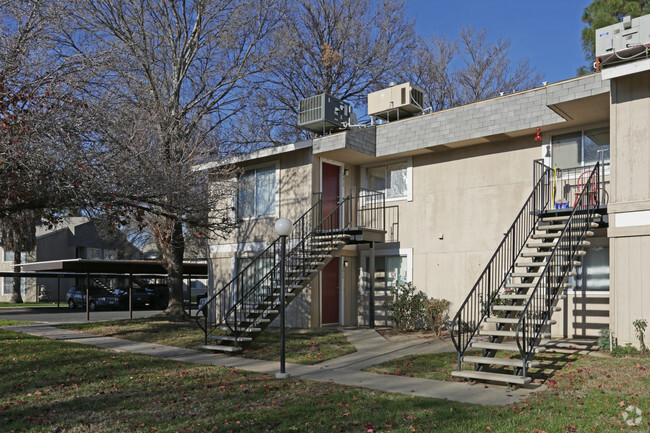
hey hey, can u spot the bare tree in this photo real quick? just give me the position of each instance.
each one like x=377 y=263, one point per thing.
x=458 y=72
x=173 y=74
x=486 y=70
x=39 y=120
x=345 y=48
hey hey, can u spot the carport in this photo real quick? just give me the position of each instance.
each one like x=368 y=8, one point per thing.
x=128 y=269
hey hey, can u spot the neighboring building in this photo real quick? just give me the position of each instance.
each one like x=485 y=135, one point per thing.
x=453 y=182
x=75 y=238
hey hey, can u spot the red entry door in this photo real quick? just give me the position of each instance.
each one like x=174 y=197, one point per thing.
x=330 y=188
x=330 y=292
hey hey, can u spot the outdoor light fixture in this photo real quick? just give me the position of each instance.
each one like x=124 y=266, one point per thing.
x=346 y=172
x=283 y=227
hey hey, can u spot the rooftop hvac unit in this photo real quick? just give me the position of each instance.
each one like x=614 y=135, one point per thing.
x=624 y=41
x=323 y=113
x=396 y=102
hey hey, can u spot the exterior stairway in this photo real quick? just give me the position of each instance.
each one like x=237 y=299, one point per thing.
x=510 y=307
x=260 y=311
x=240 y=310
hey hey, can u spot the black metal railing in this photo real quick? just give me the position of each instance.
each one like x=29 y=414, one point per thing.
x=538 y=309
x=255 y=288
x=478 y=303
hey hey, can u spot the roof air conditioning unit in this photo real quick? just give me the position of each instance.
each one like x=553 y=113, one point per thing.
x=323 y=113
x=624 y=41
x=396 y=102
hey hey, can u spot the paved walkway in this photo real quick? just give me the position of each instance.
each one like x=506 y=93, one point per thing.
x=372 y=349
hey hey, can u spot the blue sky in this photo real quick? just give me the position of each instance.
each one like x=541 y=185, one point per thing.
x=547 y=32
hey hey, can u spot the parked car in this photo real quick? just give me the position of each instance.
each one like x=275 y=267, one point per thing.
x=98 y=298
x=159 y=294
x=141 y=298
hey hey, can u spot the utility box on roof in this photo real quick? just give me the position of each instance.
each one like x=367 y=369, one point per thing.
x=323 y=113
x=396 y=102
x=624 y=41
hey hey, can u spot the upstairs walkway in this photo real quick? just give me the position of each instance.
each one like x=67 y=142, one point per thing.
x=372 y=349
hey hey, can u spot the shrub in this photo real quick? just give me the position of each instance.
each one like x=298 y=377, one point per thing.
x=640 y=326
x=603 y=339
x=410 y=309
x=437 y=311
x=406 y=308
x=626 y=350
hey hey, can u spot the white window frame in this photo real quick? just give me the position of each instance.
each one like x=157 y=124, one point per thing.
x=8 y=291
x=406 y=253
x=582 y=134
x=409 y=177
x=23 y=256
x=276 y=207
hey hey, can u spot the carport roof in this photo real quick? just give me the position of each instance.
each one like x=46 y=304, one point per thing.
x=112 y=267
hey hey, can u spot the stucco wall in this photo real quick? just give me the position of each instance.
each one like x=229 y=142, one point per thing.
x=629 y=206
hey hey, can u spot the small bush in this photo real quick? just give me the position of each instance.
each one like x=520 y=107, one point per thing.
x=603 y=339
x=410 y=309
x=437 y=311
x=639 y=326
x=627 y=350
x=406 y=308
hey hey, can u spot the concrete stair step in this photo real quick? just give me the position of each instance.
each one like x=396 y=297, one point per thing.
x=492 y=377
x=232 y=338
x=247 y=329
x=549 y=253
x=555 y=235
x=221 y=348
x=502 y=333
x=541 y=264
x=499 y=361
x=514 y=296
x=508 y=308
x=508 y=347
x=561 y=226
x=511 y=320
x=566 y=217
x=526 y=274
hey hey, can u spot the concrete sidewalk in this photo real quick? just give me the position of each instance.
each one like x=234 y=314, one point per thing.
x=372 y=349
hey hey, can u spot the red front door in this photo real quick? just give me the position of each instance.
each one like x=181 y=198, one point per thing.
x=330 y=188
x=330 y=292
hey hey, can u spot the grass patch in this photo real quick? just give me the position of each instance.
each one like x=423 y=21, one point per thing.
x=301 y=347
x=27 y=304
x=14 y=322
x=49 y=385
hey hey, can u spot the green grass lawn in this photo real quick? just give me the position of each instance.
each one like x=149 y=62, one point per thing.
x=301 y=347
x=28 y=304
x=14 y=322
x=54 y=386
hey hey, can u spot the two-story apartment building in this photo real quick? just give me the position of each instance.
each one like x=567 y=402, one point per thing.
x=453 y=182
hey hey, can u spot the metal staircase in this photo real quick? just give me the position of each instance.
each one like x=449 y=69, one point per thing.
x=238 y=312
x=510 y=306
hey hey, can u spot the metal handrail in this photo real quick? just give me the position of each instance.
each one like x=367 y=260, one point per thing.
x=537 y=310
x=478 y=303
x=234 y=301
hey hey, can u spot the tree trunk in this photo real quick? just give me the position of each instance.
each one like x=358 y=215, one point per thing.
x=174 y=263
x=16 y=297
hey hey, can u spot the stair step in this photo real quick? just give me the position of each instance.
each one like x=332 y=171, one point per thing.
x=521 y=285
x=561 y=226
x=493 y=377
x=230 y=338
x=540 y=264
x=246 y=329
x=555 y=235
x=499 y=361
x=221 y=348
x=566 y=217
x=508 y=307
x=509 y=347
x=514 y=296
x=526 y=274
x=549 y=253
x=502 y=333
x=511 y=320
